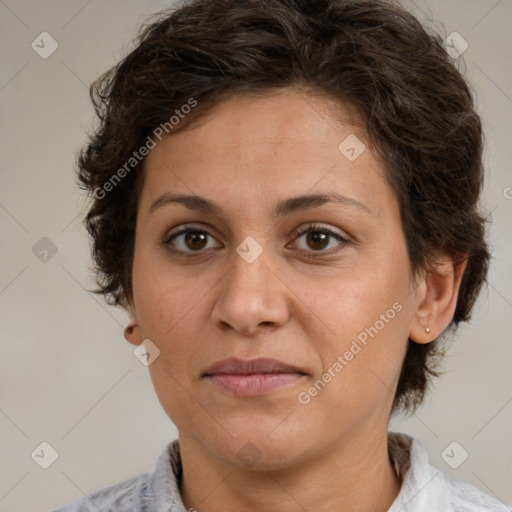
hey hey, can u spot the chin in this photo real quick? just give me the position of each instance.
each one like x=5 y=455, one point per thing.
x=258 y=444
x=262 y=454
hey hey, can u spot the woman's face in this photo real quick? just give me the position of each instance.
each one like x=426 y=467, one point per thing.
x=334 y=307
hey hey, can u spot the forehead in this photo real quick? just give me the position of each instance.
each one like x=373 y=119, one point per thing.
x=284 y=143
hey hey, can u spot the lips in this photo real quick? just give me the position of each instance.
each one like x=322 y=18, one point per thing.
x=235 y=366
x=252 y=378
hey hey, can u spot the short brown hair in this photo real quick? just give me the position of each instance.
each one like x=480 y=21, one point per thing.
x=371 y=54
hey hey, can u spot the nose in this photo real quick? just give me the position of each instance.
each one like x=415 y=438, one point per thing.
x=251 y=297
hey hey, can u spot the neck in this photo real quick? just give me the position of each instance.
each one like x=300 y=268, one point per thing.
x=355 y=474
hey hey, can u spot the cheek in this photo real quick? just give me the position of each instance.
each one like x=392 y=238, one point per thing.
x=167 y=311
x=164 y=297
x=361 y=364
x=354 y=301
x=170 y=314
x=370 y=338
x=368 y=312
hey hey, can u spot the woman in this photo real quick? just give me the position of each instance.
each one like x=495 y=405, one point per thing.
x=285 y=199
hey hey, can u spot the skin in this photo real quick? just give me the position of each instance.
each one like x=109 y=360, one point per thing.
x=208 y=304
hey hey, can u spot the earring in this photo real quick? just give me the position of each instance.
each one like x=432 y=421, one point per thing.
x=427 y=330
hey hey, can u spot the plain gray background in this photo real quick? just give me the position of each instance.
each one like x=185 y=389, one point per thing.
x=68 y=377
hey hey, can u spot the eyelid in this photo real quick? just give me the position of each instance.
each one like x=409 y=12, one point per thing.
x=315 y=226
x=183 y=228
x=312 y=226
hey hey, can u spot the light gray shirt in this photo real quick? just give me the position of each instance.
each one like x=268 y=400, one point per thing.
x=424 y=487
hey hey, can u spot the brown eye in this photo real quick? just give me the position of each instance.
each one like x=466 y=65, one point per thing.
x=189 y=240
x=317 y=240
x=195 y=240
x=320 y=239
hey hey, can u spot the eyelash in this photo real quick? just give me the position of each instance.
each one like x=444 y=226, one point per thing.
x=309 y=229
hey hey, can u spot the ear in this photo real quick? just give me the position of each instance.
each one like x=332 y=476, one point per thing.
x=438 y=300
x=132 y=332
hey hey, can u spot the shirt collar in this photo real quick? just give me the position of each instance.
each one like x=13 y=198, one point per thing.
x=423 y=487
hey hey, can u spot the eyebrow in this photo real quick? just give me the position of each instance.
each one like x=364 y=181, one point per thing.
x=283 y=208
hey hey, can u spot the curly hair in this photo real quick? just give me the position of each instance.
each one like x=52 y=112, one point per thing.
x=373 y=55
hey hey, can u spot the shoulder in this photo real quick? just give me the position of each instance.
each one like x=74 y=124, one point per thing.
x=425 y=488
x=115 y=497
x=465 y=497
x=146 y=492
